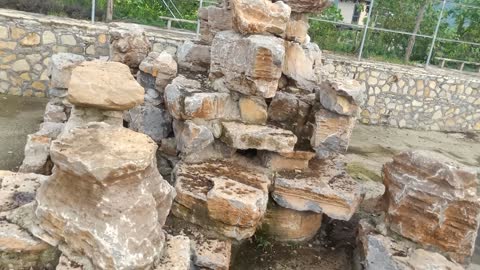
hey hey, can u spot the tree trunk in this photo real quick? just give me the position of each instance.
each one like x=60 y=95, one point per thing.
x=418 y=22
x=109 y=15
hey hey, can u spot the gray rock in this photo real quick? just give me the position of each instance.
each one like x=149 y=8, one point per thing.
x=61 y=66
x=153 y=121
x=37 y=152
x=191 y=137
x=195 y=57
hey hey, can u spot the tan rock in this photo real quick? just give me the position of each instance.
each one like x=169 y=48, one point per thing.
x=260 y=16
x=159 y=63
x=223 y=196
x=297 y=160
x=18 y=189
x=243 y=136
x=308 y=6
x=177 y=254
x=343 y=96
x=433 y=201
x=212 y=253
x=19 y=250
x=83 y=204
x=129 y=46
x=191 y=137
x=250 y=65
x=61 y=67
x=253 y=110
x=331 y=133
x=297 y=28
x=30 y=40
x=301 y=64
x=323 y=188
x=104 y=85
x=37 y=151
x=288 y=225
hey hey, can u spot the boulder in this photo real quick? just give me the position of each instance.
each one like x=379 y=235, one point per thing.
x=331 y=133
x=60 y=69
x=81 y=116
x=177 y=254
x=222 y=196
x=342 y=96
x=253 y=110
x=377 y=251
x=302 y=64
x=37 y=151
x=260 y=16
x=104 y=85
x=129 y=46
x=213 y=20
x=191 y=137
x=153 y=121
x=309 y=6
x=297 y=28
x=17 y=189
x=287 y=161
x=195 y=57
x=433 y=201
x=323 y=188
x=242 y=136
x=106 y=200
x=288 y=225
x=20 y=251
x=251 y=65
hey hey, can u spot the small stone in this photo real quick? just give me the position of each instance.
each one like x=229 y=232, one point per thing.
x=39 y=86
x=17 y=32
x=104 y=85
x=30 y=40
x=129 y=46
x=21 y=65
x=48 y=37
x=3 y=32
x=7 y=45
x=102 y=38
x=37 y=151
x=68 y=40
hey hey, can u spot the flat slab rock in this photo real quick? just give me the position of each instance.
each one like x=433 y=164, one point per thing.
x=242 y=136
x=17 y=189
x=323 y=188
x=104 y=85
x=433 y=201
x=225 y=196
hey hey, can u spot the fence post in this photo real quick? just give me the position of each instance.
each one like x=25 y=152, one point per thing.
x=198 y=21
x=365 y=30
x=435 y=34
x=93 y=11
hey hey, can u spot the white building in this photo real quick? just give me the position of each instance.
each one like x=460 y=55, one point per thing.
x=353 y=11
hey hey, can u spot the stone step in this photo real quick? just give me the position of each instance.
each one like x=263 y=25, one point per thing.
x=322 y=188
x=228 y=197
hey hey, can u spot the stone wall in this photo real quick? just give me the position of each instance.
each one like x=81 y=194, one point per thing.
x=27 y=41
x=410 y=97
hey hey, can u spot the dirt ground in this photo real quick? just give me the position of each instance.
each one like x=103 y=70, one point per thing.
x=332 y=247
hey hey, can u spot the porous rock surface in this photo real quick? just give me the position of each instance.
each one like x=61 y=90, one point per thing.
x=106 y=200
x=433 y=200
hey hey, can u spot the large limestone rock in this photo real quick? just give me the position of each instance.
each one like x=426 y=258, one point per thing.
x=260 y=16
x=129 y=47
x=213 y=20
x=433 y=200
x=343 y=96
x=106 y=200
x=191 y=137
x=242 y=136
x=378 y=251
x=17 y=189
x=308 y=6
x=324 y=188
x=193 y=56
x=253 y=110
x=286 y=161
x=104 y=85
x=302 y=64
x=61 y=66
x=36 y=155
x=331 y=133
x=288 y=225
x=223 y=196
x=20 y=251
x=250 y=65
x=160 y=68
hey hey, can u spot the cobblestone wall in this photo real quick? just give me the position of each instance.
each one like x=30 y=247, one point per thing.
x=410 y=97
x=27 y=41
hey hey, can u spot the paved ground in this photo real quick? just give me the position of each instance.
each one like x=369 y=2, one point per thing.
x=18 y=118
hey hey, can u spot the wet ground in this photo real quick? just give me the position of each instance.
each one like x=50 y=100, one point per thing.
x=19 y=116
x=331 y=249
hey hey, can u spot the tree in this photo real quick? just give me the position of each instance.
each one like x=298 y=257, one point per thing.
x=418 y=21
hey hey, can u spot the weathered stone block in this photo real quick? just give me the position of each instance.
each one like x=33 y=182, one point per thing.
x=288 y=161
x=178 y=254
x=37 y=152
x=260 y=16
x=160 y=66
x=343 y=96
x=191 y=137
x=18 y=189
x=104 y=85
x=84 y=205
x=297 y=28
x=302 y=64
x=153 y=121
x=195 y=57
x=129 y=46
x=253 y=110
x=250 y=65
x=433 y=200
x=61 y=66
x=213 y=20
